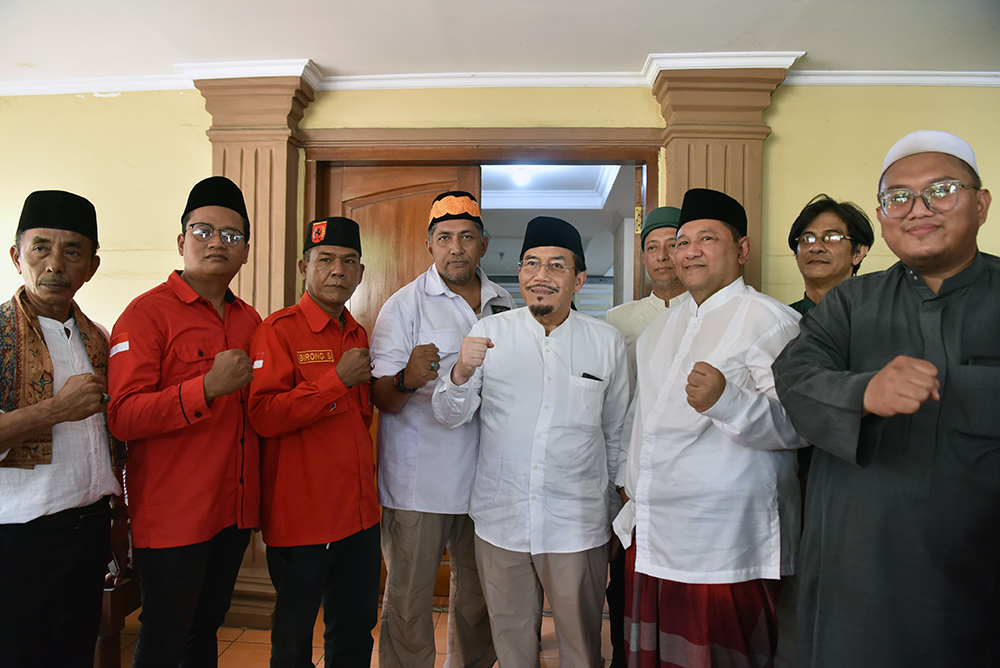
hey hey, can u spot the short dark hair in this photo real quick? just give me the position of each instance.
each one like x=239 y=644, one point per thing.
x=246 y=225
x=859 y=226
x=19 y=237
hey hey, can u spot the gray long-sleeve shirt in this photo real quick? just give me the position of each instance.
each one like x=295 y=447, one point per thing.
x=900 y=558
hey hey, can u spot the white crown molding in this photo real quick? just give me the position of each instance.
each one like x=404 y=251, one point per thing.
x=97 y=86
x=890 y=78
x=656 y=62
x=484 y=80
x=606 y=181
x=304 y=68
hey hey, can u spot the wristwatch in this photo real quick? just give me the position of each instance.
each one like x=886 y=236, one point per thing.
x=397 y=382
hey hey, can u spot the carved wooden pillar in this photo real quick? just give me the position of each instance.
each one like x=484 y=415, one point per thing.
x=714 y=138
x=254 y=126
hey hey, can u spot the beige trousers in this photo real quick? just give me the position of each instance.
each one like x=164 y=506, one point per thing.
x=412 y=546
x=514 y=584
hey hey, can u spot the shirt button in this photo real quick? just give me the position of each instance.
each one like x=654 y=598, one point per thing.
x=548 y=378
x=546 y=407
x=197 y=413
x=201 y=353
x=533 y=497
x=535 y=466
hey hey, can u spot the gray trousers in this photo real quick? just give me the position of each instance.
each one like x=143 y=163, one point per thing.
x=514 y=584
x=412 y=546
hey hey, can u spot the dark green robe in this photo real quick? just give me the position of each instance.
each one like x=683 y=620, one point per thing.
x=900 y=559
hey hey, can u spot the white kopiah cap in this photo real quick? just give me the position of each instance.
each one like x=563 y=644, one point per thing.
x=931 y=141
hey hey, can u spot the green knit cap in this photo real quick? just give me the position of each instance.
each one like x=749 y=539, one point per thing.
x=664 y=216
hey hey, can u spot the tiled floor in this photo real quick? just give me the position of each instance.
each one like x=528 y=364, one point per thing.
x=251 y=648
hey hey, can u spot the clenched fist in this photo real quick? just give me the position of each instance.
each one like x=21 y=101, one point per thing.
x=80 y=397
x=901 y=387
x=231 y=370
x=355 y=367
x=705 y=385
x=418 y=370
x=470 y=358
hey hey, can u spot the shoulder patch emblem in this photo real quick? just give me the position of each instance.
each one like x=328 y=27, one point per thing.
x=119 y=344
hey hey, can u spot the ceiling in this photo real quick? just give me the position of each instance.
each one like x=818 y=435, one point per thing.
x=48 y=40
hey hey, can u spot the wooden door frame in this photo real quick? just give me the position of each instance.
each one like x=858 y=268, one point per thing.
x=478 y=146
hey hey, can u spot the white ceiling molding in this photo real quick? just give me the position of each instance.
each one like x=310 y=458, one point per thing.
x=486 y=80
x=304 y=68
x=97 y=86
x=515 y=197
x=890 y=78
x=656 y=62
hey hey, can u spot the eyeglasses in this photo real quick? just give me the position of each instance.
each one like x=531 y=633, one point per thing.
x=808 y=239
x=204 y=232
x=939 y=197
x=534 y=266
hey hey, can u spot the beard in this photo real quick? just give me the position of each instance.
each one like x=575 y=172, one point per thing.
x=541 y=310
x=459 y=279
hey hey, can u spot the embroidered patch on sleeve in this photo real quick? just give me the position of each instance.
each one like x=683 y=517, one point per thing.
x=258 y=361
x=314 y=356
x=119 y=344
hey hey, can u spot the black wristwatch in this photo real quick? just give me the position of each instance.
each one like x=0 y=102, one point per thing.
x=397 y=382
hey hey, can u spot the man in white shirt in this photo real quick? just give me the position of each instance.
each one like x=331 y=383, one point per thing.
x=56 y=471
x=659 y=230
x=713 y=520
x=551 y=389
x=425 y=470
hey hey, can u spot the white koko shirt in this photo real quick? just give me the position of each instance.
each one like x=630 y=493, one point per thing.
x=549 y=436
x=80 y=472
x=423 y=465
x=714 y=497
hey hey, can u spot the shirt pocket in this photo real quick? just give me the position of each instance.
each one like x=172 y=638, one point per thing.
x=448 y=342
x=585 y=401
x=194 y=359
x=974 y=422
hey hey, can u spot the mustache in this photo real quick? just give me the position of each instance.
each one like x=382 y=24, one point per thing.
x=53 y=282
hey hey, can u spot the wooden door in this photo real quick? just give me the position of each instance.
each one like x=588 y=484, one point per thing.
x=391 y=205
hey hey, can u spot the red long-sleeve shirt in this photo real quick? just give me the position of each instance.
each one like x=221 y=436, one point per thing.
x=318 y=464
x=193 y=468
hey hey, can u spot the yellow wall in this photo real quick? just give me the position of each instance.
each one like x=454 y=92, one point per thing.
x=485 y=107
x=833 y=139
x=135 y=156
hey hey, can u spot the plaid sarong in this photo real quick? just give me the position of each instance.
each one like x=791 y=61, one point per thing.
x=677 y=625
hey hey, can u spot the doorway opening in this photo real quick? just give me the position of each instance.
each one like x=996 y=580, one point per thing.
x=597 y=199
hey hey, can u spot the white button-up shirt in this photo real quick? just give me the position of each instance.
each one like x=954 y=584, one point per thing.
x=632 y=319
x=80 y=472
x=423 y=465
x=714 y=497
x=551 y=409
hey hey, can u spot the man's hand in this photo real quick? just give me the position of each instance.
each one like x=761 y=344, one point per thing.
x=901 y=387
x=705 y=385
x=355 y=367
x=470 y=358
x=231 y=370
x=418 y=370
x=80 y=397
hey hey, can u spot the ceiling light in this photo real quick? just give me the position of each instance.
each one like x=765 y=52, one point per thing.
x=521 y=177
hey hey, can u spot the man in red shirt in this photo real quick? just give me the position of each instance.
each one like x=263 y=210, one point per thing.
x=310 y=398
x=178 y=373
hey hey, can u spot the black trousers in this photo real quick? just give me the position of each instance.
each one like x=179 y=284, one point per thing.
x=616 y=610
x=51 y=587
x=186 y=593
x=344 y=576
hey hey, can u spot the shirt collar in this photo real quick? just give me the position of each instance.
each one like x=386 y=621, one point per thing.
x=537 y=329
x=317 y=318
x=808 y=303
x=435 y=285
x=720 y=298
x=186 y=293
x=656 y=301
x=966 y=277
